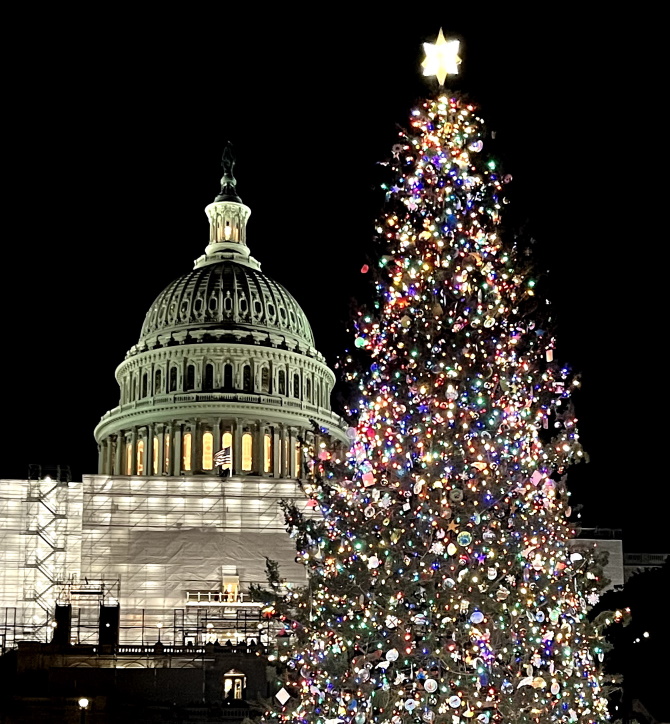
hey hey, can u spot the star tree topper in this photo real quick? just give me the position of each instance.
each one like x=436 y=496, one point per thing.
x=441 y=58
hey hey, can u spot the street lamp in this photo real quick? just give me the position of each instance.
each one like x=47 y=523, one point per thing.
x=83 y=706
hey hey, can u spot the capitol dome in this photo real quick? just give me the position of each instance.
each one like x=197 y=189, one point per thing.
x=225 y=300
x=225 y=362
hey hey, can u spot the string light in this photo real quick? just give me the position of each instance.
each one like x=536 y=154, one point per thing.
x=442 y=587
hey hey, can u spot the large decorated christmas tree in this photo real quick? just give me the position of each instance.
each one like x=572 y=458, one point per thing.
x=443 y=588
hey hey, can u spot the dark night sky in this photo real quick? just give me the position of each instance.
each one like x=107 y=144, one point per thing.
x=116 y=130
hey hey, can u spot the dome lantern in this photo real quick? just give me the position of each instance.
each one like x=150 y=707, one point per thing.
x=228 y=218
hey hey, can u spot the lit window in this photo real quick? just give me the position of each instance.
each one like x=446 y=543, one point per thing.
x=267 y=453
x=287 y=462
x=129 y=459
x=155 y=456
x=186 y=451
x=234 y=683
x=140 y=457
x=166 y=462
x=227 y=442
x=298 y=460
x=247 y=446
x=207 y=451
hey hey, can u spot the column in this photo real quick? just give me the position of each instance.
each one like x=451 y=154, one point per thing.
x=133 y=451
x=237 y=446
x=196 y=446
x=118 y=455
x=102 y=450
x=149 y=449
x=257 y=454
x=276 y=452
x=176 y=451
x=160 y=434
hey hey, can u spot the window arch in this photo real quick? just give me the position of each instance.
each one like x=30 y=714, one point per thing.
x=296 y=386
x=173 y=379
x=166 y=453
x=186 y=452
x=227 y=377
x=247 y=451
x=282 y=382
x=190 y=377
x=246 y=378
x=158 y=383
x=207 y=451
x=268 y=450
x=227 y=447
x=208 y=383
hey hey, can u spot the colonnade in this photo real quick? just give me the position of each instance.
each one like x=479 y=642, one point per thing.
x=188 y=447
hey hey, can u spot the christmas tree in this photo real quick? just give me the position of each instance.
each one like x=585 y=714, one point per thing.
x=442 y=586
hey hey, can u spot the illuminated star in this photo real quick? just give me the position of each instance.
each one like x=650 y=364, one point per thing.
x=441 y=58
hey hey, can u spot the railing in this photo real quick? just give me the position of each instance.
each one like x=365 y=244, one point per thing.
x=219 y=597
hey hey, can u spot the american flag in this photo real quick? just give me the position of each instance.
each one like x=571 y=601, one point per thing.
x=224 y=457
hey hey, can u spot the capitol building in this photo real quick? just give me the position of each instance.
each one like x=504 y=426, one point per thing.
x=218 y=400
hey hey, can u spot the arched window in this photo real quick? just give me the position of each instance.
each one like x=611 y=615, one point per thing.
x=140 y=457
x=154 y=466
x=308 y=390
x=207 y=451
x=166 y=453
x=268 y=453
x=227 y=447
x=247 y=451
x=190 y=377
x=129 y=459
x=282 y=382
x=246 y=378
x=173 y=379
x=296 y=386
x=186 y=452
x=208 y=384
x=227 y=377
x=265 y=379
x=133 y=389
x=158 y=383
x=145 y=384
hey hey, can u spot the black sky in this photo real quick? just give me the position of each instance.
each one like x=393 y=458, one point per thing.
x=116 y=127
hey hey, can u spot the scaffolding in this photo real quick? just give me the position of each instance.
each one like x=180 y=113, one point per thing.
x=40 y=548
x=153 y=545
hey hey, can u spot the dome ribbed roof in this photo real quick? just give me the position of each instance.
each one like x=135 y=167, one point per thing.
x=225 y=296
